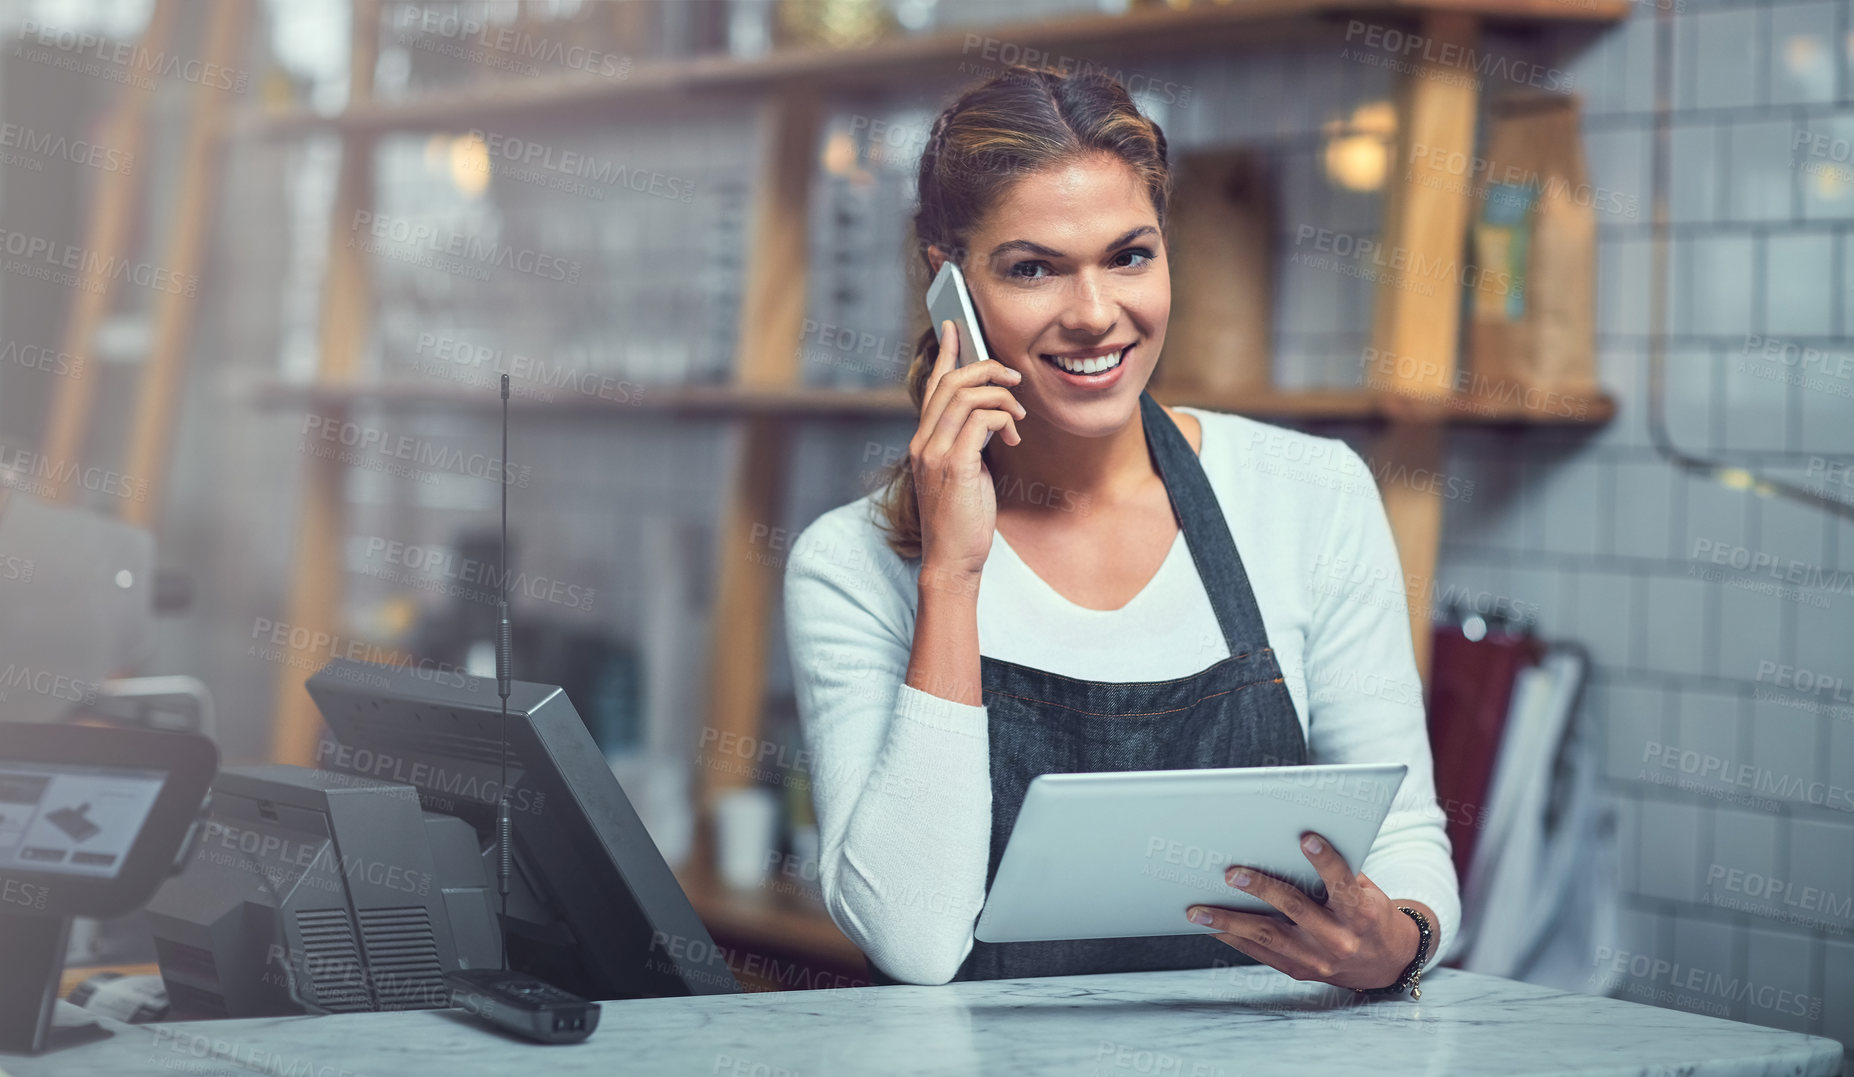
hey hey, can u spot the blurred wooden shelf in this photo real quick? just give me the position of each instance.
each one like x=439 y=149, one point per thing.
x=822 y=403
x=898 y=59
x=767 y=920
x=77 y=974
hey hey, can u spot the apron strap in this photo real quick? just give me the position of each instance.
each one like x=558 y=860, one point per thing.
x=1206 y=532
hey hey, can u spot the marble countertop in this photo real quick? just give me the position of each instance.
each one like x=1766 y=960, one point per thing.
x=1202 y=1023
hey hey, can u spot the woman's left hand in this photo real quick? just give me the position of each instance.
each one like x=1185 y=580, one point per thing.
x=1357 y=939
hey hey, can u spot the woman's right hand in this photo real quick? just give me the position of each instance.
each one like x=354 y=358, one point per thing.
x=958 y=505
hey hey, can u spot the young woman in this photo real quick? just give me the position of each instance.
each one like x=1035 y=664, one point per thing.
x=1071 y=597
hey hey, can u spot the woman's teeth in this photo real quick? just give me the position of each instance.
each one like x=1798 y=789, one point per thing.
x=1097 y=365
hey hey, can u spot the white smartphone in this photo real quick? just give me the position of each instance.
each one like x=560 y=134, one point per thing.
x=948 y=300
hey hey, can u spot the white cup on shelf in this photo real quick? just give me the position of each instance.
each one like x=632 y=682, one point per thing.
x=746 y=824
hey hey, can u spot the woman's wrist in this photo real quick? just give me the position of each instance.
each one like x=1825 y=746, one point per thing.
x=1410 y=973
x=938 y=581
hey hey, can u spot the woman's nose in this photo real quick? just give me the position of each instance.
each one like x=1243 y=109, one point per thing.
x=1089 y=311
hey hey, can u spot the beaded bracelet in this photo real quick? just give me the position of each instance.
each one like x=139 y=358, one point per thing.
x=1412 y=975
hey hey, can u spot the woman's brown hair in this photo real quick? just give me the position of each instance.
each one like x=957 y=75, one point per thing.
x=1021 y=121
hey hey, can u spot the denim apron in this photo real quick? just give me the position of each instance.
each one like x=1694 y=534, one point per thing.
x=1235 y=713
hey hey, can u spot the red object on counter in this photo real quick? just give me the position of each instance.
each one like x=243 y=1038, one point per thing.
x=1470 y=690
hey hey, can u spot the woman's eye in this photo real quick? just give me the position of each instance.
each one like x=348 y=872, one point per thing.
x=1122 y=259
x=1027 y=270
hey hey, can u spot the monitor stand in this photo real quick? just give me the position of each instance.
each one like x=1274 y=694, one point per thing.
x=35 y=946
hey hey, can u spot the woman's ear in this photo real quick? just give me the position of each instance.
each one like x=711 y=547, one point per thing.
x=935 y=256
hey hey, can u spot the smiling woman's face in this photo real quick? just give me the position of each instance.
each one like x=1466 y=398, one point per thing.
x=1070 y=264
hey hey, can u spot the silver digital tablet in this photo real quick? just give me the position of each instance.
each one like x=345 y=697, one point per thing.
x=1124 y=854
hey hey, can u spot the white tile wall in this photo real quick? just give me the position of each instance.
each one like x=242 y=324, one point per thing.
x=1568 y=501
x=1676 y=623
x=1707 y=725
x=1823 y=635
x=1799 y=285
x=1826 y=179
x=1713 y=283
x=1696 y=177
x=1639 y=727
x=1792 y=531
x=1623 y=266
x=1643 y=513
x=1837 y=993
x=1720 y=59
x=1672 y=848
x=1703 y=950
x=1596 y=618
x=1820 y=857
x=1784 y=742
x=1747 y=840
x=1759 y=179
x=1784 y=963
x=1746 y=615
x=1803 y=66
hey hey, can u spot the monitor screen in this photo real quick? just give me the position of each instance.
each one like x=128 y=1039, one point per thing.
x=73 y=820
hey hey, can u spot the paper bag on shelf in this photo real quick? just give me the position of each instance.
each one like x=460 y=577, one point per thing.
x=1220 y=239
x=1532 y=295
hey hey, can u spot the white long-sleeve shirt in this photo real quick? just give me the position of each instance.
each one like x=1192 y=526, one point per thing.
x=901 y=777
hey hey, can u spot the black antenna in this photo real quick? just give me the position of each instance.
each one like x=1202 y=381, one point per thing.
x=503 y=826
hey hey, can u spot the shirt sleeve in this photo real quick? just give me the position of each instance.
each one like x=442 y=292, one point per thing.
x=901 y=778
x=1366 y=700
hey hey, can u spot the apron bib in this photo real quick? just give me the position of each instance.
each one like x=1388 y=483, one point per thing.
x=1235 y=713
